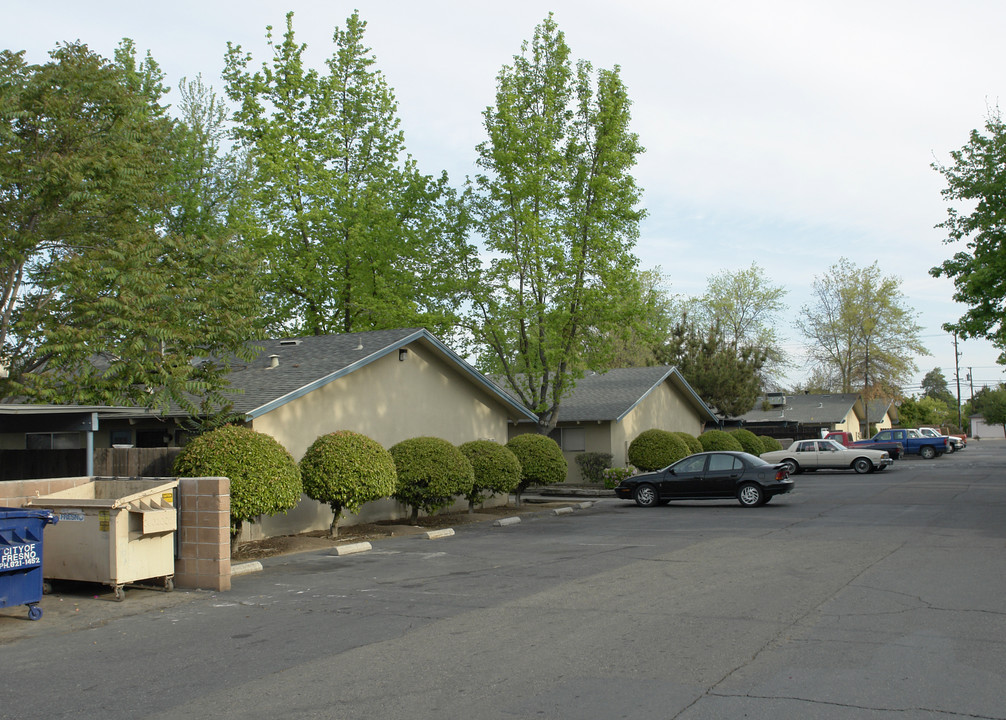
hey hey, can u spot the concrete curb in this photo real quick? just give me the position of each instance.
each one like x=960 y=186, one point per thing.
x=245 y=568
x=562 y=511
x=506 y=521
x=585 y=505
x=436 y=534
x=351 y=548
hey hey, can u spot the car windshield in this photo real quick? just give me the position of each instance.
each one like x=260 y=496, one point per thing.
x=755 y=460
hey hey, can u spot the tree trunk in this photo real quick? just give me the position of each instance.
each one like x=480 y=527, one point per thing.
x=414 y=518
x=333 y=530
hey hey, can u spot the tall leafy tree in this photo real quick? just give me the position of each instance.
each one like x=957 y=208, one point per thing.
x=724 y=375
x=745 y=305
x=860 y=328
x=99 y=304
x=934 y=385
x=557 y=209
x=353 y=235
x=976 y=215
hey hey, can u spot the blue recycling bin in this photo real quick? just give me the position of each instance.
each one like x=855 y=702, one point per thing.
x=21 y=557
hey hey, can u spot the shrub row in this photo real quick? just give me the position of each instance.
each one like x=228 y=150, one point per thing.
x=655 y=449
x=346 y=469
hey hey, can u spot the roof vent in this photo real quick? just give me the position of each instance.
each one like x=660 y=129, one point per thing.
x=273 y=361
x=359 y=344
x=289 y=342
x=775 y=399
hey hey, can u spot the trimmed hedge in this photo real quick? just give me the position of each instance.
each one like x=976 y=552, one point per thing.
x=265 y=479
x=593 y=464
x=769 y=443
x=654 y=449
x=541 y=461
x=496 y=469
x=719 y=440
x=431 y=473
x=749 y=441
x=346 y=469
x=694 y=446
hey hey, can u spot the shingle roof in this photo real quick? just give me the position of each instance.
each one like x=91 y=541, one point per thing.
x=806 y=409
x=307 y=363
x=612 y=394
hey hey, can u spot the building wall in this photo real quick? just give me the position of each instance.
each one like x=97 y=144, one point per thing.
x=850 y=424
x=666 y=409
x=981 y=429
x=388 y=400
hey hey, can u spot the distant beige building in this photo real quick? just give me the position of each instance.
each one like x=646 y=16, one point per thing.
x=606 y=411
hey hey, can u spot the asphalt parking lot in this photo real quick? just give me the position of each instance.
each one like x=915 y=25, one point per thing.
x=859 y=596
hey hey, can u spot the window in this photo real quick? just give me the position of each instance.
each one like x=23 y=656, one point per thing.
x=122 y=437
x=572 y=439
x=52 y=441
x=805 y=447
x=691 y=465
x=723 y=462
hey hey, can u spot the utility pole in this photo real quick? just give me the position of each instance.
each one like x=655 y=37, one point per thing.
x=957 y=374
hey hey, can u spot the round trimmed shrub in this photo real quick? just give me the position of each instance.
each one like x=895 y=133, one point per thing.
x=694 y=446
x=719 y=440
x=654 y=449
x=769 y=443
x=431 y=472
x=264 y=476
x=541 y=461
x=346 y=469
x=749 y=441
x=496 y=468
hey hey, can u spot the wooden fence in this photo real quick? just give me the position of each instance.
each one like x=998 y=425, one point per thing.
x=108 y=462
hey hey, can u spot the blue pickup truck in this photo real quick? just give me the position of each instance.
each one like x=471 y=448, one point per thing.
x=926 y=447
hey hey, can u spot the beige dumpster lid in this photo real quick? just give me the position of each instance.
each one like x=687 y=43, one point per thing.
x=78 y=496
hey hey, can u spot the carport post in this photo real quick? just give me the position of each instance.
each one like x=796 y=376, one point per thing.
x=89 y=463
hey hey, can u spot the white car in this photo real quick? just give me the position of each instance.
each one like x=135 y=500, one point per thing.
x=953 y=445
x=828 y=455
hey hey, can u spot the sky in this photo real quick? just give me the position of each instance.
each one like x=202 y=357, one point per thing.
x=787 y=133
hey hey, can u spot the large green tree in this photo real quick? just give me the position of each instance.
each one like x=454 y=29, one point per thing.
x=724 y=375
x=745 y=305
x=353 y=235
x=860 y=328
x=557 y=209
x=976 y=215
x=934 y=385
x=98 y=303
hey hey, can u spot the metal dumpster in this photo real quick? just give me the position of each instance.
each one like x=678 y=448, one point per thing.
x=21 y=551
x=113 y=531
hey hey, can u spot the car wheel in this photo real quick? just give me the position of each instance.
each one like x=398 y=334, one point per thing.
x=862 y=465
x=750 y=495
x=928 y=452
x=791 y=466
x=951 y=449
x=646 y=496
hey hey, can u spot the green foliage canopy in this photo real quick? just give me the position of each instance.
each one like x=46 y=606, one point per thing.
x=431 y=472
x=976 y=215
x=749 y=441
x=541 y=461
x=556 y=207
x=861 y=328
x=265 y=479
x=719 y=440
x=99 y=302
x=496 y=468
x=354 y=236
x=347 y=469
x=655 y=448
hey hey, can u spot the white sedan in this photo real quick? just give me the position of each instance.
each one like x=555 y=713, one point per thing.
x=828 y=455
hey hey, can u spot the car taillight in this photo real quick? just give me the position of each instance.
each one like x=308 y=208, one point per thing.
x=781 y=474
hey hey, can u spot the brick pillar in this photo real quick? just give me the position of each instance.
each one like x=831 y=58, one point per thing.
x=204 y=547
